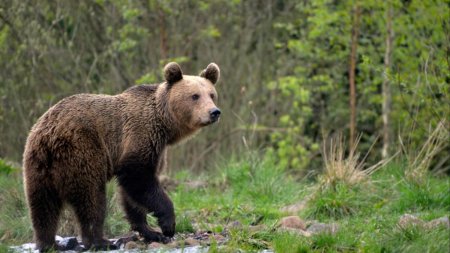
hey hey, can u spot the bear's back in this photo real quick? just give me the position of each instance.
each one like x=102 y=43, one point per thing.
x=78 y=122
x=78 y=112
x=90 y=121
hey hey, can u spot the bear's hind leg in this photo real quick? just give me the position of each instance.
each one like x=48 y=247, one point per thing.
x=90 y=209
x=45 y=208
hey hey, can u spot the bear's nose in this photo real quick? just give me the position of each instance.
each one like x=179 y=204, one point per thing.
x=214 y=114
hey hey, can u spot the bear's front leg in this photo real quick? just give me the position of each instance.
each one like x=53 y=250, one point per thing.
x=136 y=216
x=142 y=194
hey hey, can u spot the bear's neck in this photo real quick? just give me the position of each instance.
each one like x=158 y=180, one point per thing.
x=174 y=131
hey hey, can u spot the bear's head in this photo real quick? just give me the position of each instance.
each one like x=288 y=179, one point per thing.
x=191 y=100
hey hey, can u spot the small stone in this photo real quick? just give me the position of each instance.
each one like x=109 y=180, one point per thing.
x=131 y=245
x=120 y=242
x=439 y=222
x=155 y=245
x=407 y=220
x=292 y=222
x=68 y=243
x=318 y=228
x=191 y=242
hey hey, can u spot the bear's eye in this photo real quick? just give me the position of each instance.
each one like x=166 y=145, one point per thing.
x=211 y=95
x=195 y=97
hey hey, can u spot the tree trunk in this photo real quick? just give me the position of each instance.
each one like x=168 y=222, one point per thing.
x=352 y=67
x=386 y=88
x=163 y=46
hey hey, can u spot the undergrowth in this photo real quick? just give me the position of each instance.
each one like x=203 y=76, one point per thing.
x=251 y=191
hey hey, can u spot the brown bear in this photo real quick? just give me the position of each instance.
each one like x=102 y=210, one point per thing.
x=85 y=140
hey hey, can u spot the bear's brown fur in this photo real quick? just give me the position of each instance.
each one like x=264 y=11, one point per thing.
x=85 y=140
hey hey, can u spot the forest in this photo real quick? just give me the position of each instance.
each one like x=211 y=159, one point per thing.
x=340 y=108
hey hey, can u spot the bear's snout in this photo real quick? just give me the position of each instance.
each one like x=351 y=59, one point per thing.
x=214 y=114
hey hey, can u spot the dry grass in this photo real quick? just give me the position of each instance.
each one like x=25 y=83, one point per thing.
x=348 y=169
x=419 y=162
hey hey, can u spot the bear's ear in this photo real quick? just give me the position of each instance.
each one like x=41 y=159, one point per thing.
x=172 y=73
x=212 y=73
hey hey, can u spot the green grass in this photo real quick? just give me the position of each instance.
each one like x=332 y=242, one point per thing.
x=250 y=191
x=15 y=225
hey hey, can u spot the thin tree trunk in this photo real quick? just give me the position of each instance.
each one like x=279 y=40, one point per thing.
x=352 y=67
x=386 y=88
x=164 y=48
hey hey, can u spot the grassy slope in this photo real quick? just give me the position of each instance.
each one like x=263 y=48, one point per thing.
x=252 y=191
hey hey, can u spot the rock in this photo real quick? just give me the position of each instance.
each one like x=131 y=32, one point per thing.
x=439 y=222
x=68 y=243
x=317 y=228
x=292 y=222
x=120 y=242
x=407 y=220
x=191 y=242
x=155 y=245
x=294 y=208
x=131 y=245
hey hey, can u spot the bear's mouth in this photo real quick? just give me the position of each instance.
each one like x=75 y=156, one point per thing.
x=209 y=122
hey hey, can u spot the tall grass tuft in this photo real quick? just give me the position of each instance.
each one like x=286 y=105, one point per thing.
x=342 y=188
x=345 y=169
x=419 y=162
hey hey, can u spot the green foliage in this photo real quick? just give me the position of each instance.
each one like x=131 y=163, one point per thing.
x=284 y=65
x=338 y=202
x=415 y=239
x=315 y=40
x=430 y=195
x=148 y=78
x=5 y=168
x=262 y=181
x=183 y=225
x=115 y=224
x=367 y=214
x=284 y=72
x=15 y=224
x=287 y=242
x=292 y=147
x=210 y=32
